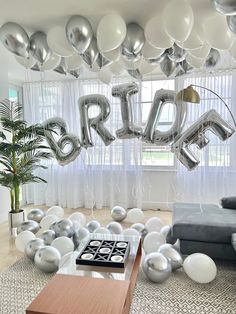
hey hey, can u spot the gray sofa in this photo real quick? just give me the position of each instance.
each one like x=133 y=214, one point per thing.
x=204 y=228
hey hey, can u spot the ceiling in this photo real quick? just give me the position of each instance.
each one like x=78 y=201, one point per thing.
x=43 y=14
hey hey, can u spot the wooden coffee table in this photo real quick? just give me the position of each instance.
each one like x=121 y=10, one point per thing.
x=78 y=289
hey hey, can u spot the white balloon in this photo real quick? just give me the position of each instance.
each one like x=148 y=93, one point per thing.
x=56 y=210
x=116 y=67
x=217 y=32
x=146 y=67
x=58 y=43
x=26 y=62
x=73 y=62
x=111 y=32
x=152 y=242
x=22 y=239
x=156 y=35
x=102 y=230
x=165 y=231
x=195 y=40
x=200 y=268
x=131 y=232
x=113 y=55
x=130 y=65
x=233 y=50
x=94 y=68
x=46 y=222
x=78 y=219
x=201 y=52
x=195 y=62
x=154 y=224
x=70 y=260
x=178 y=19
x=105 y=76
x=51 y=63
x=63 y=244
x=135 y=215
x=148 y=51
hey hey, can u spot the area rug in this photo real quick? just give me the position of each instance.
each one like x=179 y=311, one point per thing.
x=21 y=282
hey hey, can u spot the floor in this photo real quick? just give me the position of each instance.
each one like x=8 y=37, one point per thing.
x=9 y=254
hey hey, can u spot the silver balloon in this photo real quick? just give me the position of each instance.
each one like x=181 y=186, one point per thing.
x=118 y=213
x=32 y=247
x=29 y=225
x=158 y=59
x=102 y=61
x=140 y=228
x=79 y=33
x=58 y=147
x=133 y=42
x=47 y=259
x=35 y=68
x=231 y=21
x=15 y=39
x=195 y=134
x=48 y=236
x=151 y=134
x=115 y=227
x=80 y=235
x=36 y=214
x=183 y=68
x=167 y=66
x=165 y=231
x=93 y=225
x=227 y=7
x=53 y=226
x=39 y=47
x=61 y=68
x=74 y=73
x=175 y=258
x=213 y=58
x=124 y=92
x=176 y=53
x=90 y=55
x=64 y=227
x=156 y=267
x=136 y=74
x=97 y=123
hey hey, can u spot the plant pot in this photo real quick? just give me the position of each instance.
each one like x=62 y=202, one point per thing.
x=14 y=219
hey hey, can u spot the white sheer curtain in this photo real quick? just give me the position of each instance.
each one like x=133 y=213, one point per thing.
x=101 y=175
x=215 y=175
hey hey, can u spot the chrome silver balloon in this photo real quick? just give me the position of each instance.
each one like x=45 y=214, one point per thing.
x=136 y=74
x=167 y=66
x=231 y=21
x=118 y=213
x=61 y=68
x=176 y=53
x=140 y=228
x=151 y=134
x=90 y=55
x=39 y=47
x=47 y=259
x=93 y=225
x=64 y=228
x=226 y=7
x=124 y=92
x=183 y=68
x=80 y=235
x=114 y=227
x=74 y=73
x=48 y=236
x=29 y=225
x=36 y=214
x=15 y=39
x=165 y=231
x=35 y=68
x=102 y=61
x=156 y=267
x=212 y=59
x=58 y=146
x=157 y=59
x=32 y=247
x=175 y=258
x=133 y=42
x=79 y=33
x=97 y=123
x=195 y=134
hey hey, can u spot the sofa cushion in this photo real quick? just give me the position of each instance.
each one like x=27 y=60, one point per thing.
x=228 y=202
x=206 y=222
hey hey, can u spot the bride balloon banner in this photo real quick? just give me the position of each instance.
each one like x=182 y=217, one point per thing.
x=68 y=146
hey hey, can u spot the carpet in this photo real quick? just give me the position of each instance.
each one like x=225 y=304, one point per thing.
x=21 y=282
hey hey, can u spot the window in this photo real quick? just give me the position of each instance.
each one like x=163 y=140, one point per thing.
x=153 y=155
x=15 y=93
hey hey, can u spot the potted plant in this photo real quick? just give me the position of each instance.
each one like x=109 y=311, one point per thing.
x=21 y=150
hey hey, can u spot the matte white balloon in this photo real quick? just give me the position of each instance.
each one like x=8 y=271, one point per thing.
x=111 y=32
x=56 y=210
x=46 y=222
x=195 y=62
x=26 y=62
x=145 y=67
x=22 y=239
x=131 y=65
x=58 y=43
x=115 y=227
x=63 y=244
x=195 y=39
x=105 y=76
x=102 y=230
x=131 y=232
x=200 y=268
x=155 y=33
x=78 y=219
x=135 y=215
x=153 y=241
x=116 y=68
x=149 y=51
x=165 y=231
x=73 y=62
x=154 y=224
x=217 y=32
x=201 y=52
x=113 y=55
x=51 y=63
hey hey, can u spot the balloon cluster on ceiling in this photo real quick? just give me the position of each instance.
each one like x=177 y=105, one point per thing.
x=173 y=40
